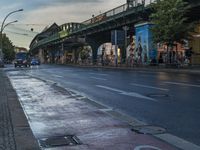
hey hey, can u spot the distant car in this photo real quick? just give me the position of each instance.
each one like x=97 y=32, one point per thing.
x=1 y=63
x=35 y=61
x=22 y=59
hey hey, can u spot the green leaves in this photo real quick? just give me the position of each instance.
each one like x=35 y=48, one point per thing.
x=8 y=48
x=170 y=21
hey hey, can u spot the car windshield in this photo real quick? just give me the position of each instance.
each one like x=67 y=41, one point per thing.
x=21 y=56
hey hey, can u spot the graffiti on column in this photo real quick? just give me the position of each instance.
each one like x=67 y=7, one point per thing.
x=145 y=48
x=131 y=51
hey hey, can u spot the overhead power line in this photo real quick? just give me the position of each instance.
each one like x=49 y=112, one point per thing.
x=23 y=30
x=23 y=34
x=28 y=24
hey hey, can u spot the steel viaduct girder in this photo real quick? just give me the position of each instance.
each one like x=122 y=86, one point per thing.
x=100 y=32
x=126 y=18
x=129 y=17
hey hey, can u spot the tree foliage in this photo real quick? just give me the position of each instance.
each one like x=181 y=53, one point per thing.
x=8 y=49
x=171 y=25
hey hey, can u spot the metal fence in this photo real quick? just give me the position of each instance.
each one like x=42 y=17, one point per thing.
x=115 y=11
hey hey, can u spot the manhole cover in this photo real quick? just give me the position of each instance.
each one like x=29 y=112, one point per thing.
x=157 y=95
x=68 y=140
x=149 y=130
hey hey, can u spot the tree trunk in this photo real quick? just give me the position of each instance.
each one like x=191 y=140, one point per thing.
x=167 y=54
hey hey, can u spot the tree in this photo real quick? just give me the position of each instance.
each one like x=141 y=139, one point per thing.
x=171 y=25
x=8 y=49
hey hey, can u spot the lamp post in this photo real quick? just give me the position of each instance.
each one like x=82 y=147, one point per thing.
x=125 y=28
x=3 y=27
x=9 y=24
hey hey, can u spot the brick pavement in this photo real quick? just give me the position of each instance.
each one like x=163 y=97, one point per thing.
x=7 y=140
x=15 y=132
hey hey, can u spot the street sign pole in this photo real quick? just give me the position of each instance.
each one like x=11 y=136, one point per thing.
x=116 y=49
x=125 y=28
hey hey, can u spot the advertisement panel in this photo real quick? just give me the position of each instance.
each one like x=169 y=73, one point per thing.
x=145 y=50
x=63 y=33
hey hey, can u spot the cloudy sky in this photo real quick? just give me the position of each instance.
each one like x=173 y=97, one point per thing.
x=38 y=14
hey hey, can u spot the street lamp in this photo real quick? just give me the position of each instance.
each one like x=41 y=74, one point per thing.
x=9 y=24
x=3 y=27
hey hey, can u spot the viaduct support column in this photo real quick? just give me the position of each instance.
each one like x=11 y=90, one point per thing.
x=95 y=41
x=41 y=55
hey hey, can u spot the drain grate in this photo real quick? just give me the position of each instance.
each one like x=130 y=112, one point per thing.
x=148 y=130
x=68 y=140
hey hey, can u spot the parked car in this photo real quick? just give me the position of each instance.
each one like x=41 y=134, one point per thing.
x=35 y=61
x=1 y=63
x=22 y=59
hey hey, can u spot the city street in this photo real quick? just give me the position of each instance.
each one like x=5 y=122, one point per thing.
x=119 y=75
x=167 y=100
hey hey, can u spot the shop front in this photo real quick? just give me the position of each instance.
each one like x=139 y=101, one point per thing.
x=195 y=45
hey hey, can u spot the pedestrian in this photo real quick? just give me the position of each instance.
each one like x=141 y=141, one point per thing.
x=188 y=54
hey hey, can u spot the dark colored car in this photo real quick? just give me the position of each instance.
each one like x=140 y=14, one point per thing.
x=35 y=61
x=22 y=59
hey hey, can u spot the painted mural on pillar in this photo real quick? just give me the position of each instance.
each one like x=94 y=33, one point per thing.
x=85 y=55
x=145 y=50
x=105 y=54
x=130 y=52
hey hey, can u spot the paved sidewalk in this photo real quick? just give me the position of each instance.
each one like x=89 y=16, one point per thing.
x=15 y=132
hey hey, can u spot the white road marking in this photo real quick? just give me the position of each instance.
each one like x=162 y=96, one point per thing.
x=98 y=78
x=183 y=84
x=178 y=142
x=151 y=87
x=73 y=74
x=132 y=94
x=101 y=74
x=140 y=147
x=57 y=76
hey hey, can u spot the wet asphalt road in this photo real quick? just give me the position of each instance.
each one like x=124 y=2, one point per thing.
x=168 y=100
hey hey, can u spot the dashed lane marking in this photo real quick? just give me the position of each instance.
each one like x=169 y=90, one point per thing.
x=183 y=84
x=151 y=87
x=132 y=94
x=98 y=78
x=57 y=76
x=101 y=74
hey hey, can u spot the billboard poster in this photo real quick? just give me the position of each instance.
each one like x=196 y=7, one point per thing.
x=63 y=33
x=145 y=50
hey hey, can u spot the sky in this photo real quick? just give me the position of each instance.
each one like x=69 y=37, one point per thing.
x=39 y=14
